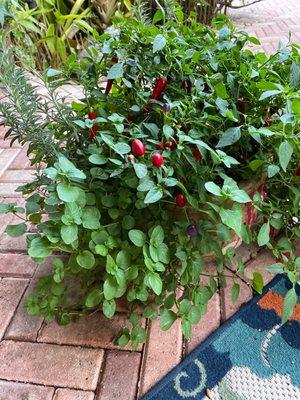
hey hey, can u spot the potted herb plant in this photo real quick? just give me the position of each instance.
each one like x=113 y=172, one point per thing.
x=188 y=147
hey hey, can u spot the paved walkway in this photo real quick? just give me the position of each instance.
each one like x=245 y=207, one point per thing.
x=40 y=361
x=271 y=21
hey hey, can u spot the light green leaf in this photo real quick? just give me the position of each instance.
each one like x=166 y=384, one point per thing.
x=221 y=91
x=159 y=43
x=264 y=234
x=276 y=268
x=140 y=170
x=94 y=298
x=111 y=266
x=101 y=249
x=67 y=192
x=273 y=170
x=157 y=236
x=240 y=196
x=109 y=308
x=97 y=159
x=137 y=237
x=289 y=304
x=186 y=328
x=257 y=282
x=229 y=137
x=269 y=93
x=116 y=71
x=68 y=168
x=233 y=218
x=213 y=188
x=154 y=282
x=90 y=218
x=194 y=315
x=86 y=259
x=153 y=195
x=285 y=153
x=110 y=288
x=69 y=233
x=122 y=148
x=39 y=248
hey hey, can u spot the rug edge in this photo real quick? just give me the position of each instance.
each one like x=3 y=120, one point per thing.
x=163 y=381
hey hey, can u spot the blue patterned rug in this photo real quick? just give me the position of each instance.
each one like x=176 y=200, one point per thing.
x=251 y=357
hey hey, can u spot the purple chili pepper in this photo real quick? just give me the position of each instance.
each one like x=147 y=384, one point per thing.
x=166 y=107
x=192 y=230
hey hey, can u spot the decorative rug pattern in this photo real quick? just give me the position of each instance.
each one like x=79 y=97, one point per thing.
x=253 y=356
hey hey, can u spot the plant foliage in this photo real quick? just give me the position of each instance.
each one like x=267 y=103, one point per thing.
x=189 y=144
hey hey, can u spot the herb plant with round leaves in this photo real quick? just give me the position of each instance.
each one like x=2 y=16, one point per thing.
x=184 y=144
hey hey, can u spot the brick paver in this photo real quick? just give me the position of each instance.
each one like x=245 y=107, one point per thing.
x=228 y=309
x=41 y=361
x=258 y=263
x=69 y=394
x=208 y=323
x=162 y=352
x=11 y=291
x=94 y=331
x=22 y=391
x=16 y=265
x=120 y=376
x=50 y=365
x=271 y=21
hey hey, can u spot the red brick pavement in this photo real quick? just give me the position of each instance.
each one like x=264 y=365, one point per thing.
x=272 y=21
x=78 y=362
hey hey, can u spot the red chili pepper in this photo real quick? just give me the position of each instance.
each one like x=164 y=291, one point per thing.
x=159 y=87
x=138 y=148
x=180 y=200
x=157 y=160
x=110 y=82
x=93 y=131
x=109 y=86
x=250 y=213
x=92 y=115
x=196 y=153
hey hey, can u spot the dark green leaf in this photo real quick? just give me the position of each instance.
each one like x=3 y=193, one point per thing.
x=16 y=230
x=235 y=291
x=167 y=319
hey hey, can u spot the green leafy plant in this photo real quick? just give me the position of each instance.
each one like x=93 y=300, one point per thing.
x=49 y=30
x=189 y=147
